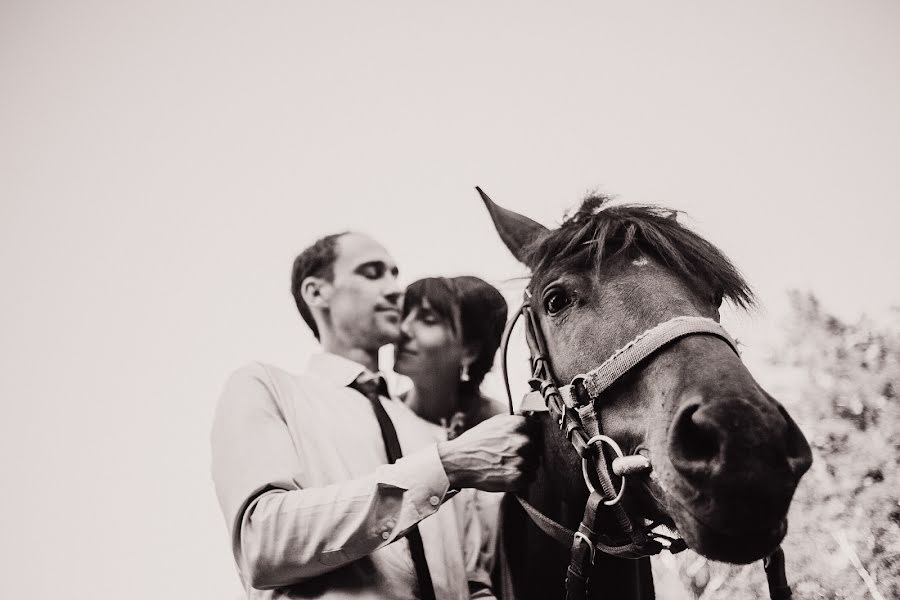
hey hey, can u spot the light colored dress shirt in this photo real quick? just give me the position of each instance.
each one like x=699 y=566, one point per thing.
x=314 y=511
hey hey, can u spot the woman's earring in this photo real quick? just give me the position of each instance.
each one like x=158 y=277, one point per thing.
x=464 y=374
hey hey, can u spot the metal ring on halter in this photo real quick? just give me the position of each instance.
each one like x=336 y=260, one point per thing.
x=590 y=544
x=584 y=467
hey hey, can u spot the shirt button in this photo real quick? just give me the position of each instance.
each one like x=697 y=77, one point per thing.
x=434 y=500
x=385 y=535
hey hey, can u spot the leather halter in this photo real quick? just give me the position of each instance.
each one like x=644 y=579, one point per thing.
x=572 y=406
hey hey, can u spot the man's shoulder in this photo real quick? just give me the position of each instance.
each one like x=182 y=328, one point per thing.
x=260 y=370
x=270 y=376
x=278 y=379
x=259 y=384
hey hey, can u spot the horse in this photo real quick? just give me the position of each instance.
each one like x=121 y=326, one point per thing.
x=669 y=436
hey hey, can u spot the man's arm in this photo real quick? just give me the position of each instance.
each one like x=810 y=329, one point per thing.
x=494 y=456
x=284 y=534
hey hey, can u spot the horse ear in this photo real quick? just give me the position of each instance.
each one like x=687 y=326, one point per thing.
x=517 y=231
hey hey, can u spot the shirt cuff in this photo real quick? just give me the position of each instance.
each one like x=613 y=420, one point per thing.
x=422 y=475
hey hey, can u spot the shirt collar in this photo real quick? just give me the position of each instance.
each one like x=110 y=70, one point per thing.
x=336 y=369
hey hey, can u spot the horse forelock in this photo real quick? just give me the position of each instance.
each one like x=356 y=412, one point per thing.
x=600 y=231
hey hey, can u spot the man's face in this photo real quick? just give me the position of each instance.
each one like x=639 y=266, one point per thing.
x=364 y=297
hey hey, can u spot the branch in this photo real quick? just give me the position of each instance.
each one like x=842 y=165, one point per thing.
x=844 y=543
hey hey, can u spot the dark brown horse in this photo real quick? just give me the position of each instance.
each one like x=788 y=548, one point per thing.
x=726 y=457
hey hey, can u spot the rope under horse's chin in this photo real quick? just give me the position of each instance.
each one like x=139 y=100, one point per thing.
x=572 y=406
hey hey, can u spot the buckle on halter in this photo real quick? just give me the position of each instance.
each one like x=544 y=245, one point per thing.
x=580 y=537
x=577 y=394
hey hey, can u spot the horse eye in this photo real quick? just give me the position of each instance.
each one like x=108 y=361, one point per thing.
x=556 y=301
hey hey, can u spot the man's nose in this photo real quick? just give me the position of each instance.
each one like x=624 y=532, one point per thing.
x=392 y=291
x=406 y=328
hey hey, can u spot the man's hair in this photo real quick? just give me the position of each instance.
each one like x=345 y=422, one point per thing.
x=315 y=261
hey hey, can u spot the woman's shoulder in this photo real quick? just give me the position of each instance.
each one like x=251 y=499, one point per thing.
x=486 y=408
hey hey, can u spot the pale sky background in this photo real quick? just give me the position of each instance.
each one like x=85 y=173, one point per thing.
x=161 y=163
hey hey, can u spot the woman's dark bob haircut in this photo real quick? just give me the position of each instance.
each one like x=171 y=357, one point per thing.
x=468 y=302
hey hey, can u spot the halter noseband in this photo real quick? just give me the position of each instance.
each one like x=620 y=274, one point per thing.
x=572 y=407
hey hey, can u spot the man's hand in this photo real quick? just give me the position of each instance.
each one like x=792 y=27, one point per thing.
x=496 y=455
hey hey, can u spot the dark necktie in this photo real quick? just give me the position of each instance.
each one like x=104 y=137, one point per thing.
x=372 y=388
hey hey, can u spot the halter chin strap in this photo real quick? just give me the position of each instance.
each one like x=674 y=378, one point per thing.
x=572 y=407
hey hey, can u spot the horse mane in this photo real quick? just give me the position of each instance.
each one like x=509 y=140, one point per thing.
x=598 y=231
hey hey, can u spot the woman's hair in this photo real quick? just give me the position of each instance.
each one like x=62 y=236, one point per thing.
x=481 y=311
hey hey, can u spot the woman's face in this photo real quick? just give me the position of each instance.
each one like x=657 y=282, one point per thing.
x=428 y=345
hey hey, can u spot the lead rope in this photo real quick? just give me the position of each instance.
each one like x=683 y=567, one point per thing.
x=504 y=347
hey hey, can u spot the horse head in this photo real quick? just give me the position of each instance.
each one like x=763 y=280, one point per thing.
x=726 y=457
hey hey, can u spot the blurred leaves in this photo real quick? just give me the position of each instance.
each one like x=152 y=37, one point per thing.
x=840 y=381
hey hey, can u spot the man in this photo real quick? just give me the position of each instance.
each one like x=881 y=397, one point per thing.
x=301 y=463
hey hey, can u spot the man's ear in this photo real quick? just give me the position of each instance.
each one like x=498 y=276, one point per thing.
x=316 y=291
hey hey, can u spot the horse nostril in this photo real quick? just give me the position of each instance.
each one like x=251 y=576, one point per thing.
x=694 y=442
x=799 y=454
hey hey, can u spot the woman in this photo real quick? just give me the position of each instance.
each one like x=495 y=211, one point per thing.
x=450 y=332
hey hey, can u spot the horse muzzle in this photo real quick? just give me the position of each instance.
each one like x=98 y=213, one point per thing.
x=734 y=464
